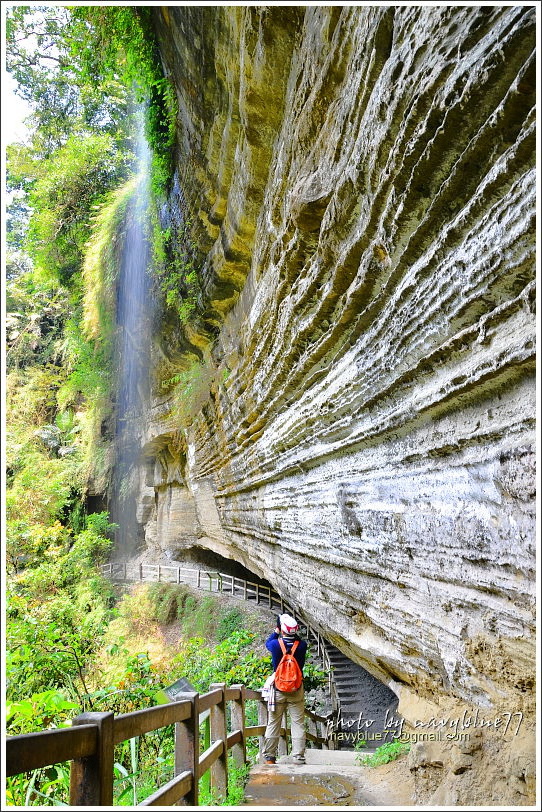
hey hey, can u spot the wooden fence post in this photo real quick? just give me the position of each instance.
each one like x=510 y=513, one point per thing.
x=239 y=751
x=187 y=746
x=91 y=778
x=262 y=720
x=219 y=770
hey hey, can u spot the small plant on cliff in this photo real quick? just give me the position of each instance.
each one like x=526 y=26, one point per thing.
x=384 y=754
x=189 y=390
x=175 y=266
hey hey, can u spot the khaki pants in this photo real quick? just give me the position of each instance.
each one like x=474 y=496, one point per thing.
x=294 y=702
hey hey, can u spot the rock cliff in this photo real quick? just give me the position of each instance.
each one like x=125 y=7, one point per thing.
x=356 y=420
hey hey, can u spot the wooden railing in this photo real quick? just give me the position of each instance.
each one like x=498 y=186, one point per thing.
x=216 y=581
x=89 y=745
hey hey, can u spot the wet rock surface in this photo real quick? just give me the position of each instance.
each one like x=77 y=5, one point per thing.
x=362 y=186
x=328 y=779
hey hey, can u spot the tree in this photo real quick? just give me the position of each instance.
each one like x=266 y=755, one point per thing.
x=46 y=51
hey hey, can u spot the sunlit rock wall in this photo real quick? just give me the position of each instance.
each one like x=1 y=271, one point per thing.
x=362 y=184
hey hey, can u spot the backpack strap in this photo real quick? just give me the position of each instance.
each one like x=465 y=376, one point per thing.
x=283 y=647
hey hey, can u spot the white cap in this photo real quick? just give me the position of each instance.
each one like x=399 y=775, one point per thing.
x=288 y=624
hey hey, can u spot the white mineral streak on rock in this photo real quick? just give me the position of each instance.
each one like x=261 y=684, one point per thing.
x=363 y=180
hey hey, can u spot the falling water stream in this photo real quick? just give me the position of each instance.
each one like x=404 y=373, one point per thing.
x=134 y=320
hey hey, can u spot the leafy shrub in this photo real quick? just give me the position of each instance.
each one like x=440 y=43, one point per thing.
x=233 y=620
x=175 y=258
x=382 y=755
x=313 y=677
x=42 y=710
x=201 y=620
x=230 y=661
x=235 y=794
x=167 y=601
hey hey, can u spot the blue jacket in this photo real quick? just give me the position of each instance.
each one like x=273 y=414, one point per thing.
x=273 y=645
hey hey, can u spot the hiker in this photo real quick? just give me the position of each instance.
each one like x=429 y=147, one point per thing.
x=293 y=700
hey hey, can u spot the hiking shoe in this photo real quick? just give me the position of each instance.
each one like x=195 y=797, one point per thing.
x=299 y=760
x=270 y=761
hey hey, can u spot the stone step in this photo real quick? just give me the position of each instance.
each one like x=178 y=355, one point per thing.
x=349 y=670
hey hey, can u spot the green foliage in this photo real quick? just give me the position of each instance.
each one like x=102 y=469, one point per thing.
x=199 y=617
x=54 y=444
x=237 y=780
x=175 y=266
x=67 y=185
x=233 y=620
x=44 y=45
x=101 y=263
x=190 y=390
x=87 y=390
x=121 y=42
x=35 y=315
x=58 y=609
x=39 y=488
x=382 y=755
x=39 y=711
x=313 y=677
x=231 y=661
x=167 y=601
x=49 y=786
x=235 y=794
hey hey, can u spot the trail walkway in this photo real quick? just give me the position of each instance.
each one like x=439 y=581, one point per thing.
x=329 y=778
x=351 y=688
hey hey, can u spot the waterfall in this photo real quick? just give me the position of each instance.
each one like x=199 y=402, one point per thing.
x=134 y=320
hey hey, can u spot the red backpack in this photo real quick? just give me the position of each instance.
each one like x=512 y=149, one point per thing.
x=288 y=676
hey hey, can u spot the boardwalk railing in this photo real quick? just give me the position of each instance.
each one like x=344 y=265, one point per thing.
x=237 y=587
x=89 y=745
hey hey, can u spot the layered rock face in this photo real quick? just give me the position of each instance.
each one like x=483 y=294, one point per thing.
x=362 y=186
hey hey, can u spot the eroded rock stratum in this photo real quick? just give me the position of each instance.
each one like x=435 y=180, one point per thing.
x=362 y=185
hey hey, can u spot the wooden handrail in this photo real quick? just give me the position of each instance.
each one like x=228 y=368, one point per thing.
x=49 y=747
x=143 y=721
x=208 y=758
x=207 y=701
x=89 y=743
x=173 y=791
x=234 y=738
x=255 y=730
